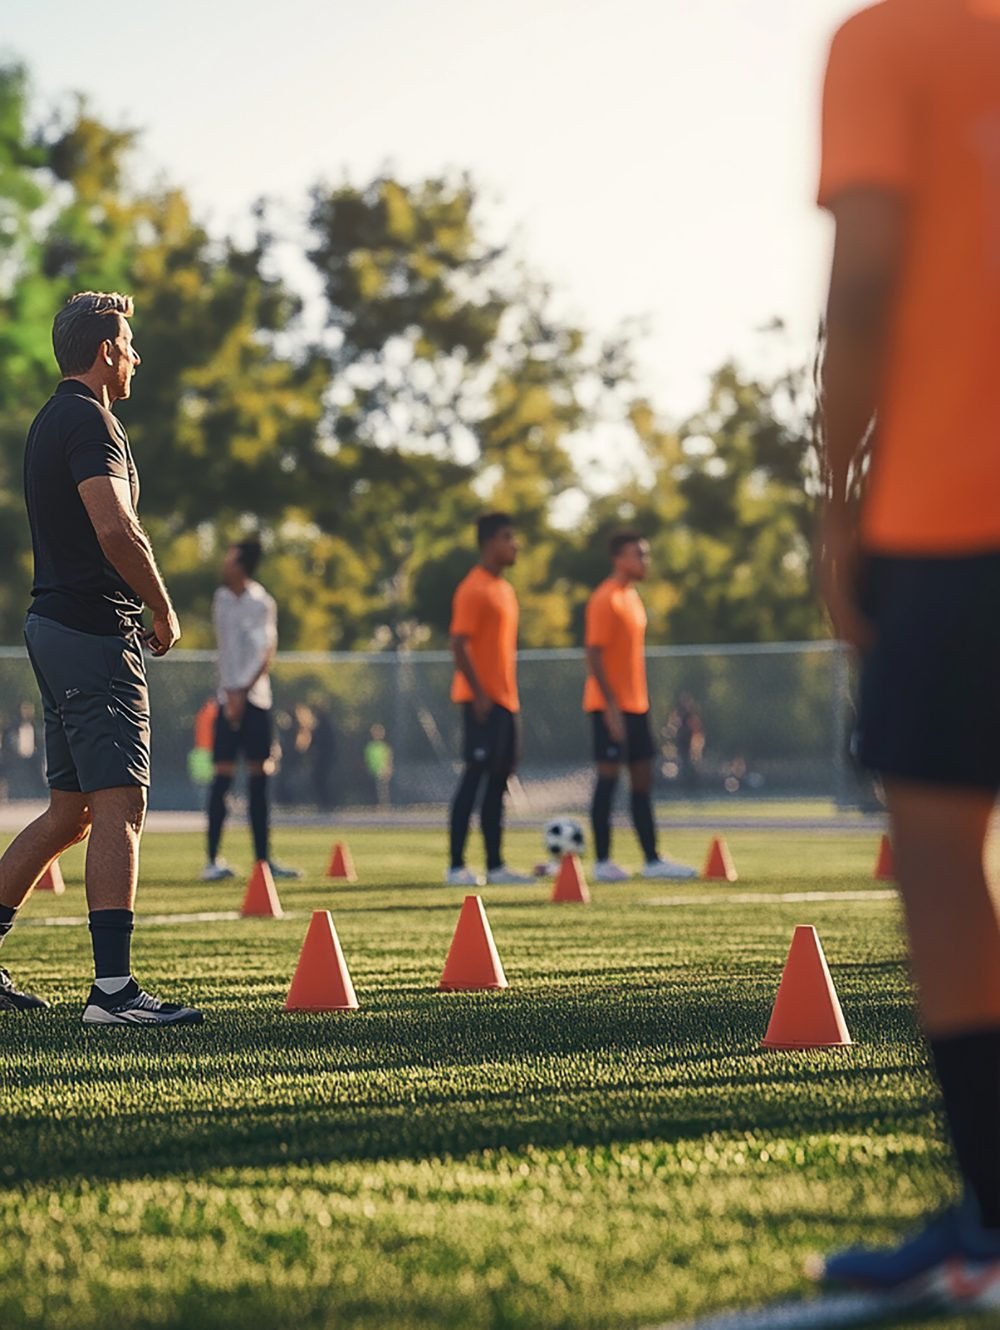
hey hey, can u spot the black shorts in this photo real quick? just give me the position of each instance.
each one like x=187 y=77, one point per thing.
x=929 y=707
x=495 y=743
x=252 y=737
x=638 y=745
x=96 y=706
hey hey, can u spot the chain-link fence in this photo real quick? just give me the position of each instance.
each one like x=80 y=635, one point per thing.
x=743 y=722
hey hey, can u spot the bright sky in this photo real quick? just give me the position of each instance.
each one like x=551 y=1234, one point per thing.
x=655 y=158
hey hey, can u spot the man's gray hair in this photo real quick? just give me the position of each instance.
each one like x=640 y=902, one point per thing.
x=84 y=322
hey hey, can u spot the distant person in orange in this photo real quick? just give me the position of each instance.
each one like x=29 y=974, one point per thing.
x=484 y=645
x=617 y=697
x=911 y=548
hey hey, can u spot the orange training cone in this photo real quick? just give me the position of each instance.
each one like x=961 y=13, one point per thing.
x=341 y=863
x=807 y=1010
x=885 y=866
x=472 y=957
x=261 y=898
x=719 y=866
x=52 y=879
x=570 y=886
x=321 y=981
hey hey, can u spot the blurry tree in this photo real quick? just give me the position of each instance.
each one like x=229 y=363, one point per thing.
x=443 y=383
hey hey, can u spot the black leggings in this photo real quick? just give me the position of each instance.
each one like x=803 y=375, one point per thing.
x=490 y=816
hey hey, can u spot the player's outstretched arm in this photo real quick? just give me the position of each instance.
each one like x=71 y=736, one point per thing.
x=126 y=546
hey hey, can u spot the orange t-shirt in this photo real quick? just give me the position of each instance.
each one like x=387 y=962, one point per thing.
x=912 y=104
x=616 y=622
x=485 y=611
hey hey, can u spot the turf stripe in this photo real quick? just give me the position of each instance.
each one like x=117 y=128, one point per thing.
x=780 y=897
x=845 y=1309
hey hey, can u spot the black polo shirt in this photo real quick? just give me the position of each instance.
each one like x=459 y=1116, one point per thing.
x=72 y=439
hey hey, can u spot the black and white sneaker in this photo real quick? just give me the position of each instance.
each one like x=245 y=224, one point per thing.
x=131 y=1005
x=12 y=999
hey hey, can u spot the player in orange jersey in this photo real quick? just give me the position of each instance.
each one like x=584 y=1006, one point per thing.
x=484 y=645
x=911 y=547
x=617 y=698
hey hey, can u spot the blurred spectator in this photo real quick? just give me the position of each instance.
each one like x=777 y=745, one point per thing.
x=322 y=757
x=201 y=767
x=378 y=763
x=23 y=761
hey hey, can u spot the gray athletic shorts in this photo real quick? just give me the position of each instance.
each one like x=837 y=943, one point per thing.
x=96 y=706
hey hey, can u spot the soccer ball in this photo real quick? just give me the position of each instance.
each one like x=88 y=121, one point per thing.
x=564 y=836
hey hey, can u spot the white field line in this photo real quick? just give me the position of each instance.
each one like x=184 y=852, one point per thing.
x=144 y=920
x=778 y=897
x=824 y=1313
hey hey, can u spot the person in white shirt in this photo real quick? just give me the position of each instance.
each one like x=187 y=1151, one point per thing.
x=246 y=631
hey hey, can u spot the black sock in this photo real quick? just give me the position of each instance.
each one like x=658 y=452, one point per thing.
x=7 y=915
x=968 y=1068
x=491 y=819
x=461 y=813
x=111 y=934
x=645 y=827
x=217 y=814
x=258 y=817
x=600 y=815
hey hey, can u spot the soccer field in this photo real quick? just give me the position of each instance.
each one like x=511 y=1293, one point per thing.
x=602 y=1145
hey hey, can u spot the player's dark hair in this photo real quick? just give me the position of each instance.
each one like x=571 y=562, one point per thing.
x=249 y=553
x=84 y=322
x=622 y=539
x=489 y=524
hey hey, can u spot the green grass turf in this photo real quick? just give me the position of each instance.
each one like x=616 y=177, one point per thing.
x=603 y=1145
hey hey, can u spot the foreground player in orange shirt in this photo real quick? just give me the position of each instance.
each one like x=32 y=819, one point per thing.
x=617 y=698
x=911 y=547
x=484 y=645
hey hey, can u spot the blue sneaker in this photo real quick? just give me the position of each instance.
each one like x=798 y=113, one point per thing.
x=953 y=1263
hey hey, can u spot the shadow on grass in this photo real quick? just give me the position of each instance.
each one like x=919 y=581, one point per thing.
x=435 y=1076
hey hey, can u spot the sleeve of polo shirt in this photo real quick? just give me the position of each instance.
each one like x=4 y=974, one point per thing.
x=94 y=449
x=217 y=615
x=271 y=625
x=869 y=126
x=598 y=622
x=466 y=611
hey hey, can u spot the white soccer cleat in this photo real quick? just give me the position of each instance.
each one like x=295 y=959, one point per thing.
x=462 y=877
x=506 y=877
x=668 y=870
x=606 y=870
x=219 y=871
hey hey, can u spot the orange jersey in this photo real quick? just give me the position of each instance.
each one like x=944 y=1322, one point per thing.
x=485 y=611
x=616 y=622
x=912 y=104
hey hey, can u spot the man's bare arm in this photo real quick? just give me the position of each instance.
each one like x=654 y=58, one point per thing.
x=613 y=714
x=867 y=253
x=482 y=703
x=870 y=239
x=108 y=501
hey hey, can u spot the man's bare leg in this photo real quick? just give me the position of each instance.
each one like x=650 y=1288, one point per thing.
x=65 y=822
x=939 y=838
x=117 y=818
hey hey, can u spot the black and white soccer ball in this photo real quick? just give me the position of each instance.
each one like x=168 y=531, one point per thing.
x=564 y=836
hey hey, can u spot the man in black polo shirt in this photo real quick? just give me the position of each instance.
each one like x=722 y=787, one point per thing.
x=94 y=571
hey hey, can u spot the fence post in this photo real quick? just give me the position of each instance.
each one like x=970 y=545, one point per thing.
x=398 y=737
x=841 y=703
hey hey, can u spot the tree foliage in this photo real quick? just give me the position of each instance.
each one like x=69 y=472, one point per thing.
x=442 y=382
